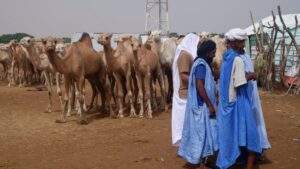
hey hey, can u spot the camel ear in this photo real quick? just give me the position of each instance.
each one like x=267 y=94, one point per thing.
x=110 y=35
x=118 y=39
x=43 y=41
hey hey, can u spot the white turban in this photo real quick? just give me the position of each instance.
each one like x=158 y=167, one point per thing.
x=235 y=34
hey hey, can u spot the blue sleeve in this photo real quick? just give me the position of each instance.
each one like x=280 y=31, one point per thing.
x=200 y=72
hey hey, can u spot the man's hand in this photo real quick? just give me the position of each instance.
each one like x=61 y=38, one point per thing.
x=212 y=112
x=251 y=76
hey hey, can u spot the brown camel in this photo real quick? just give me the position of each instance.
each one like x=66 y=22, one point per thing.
x=40 y=61
x=19 y=63
x=79 y=62
x=166 y=52
x=5 y=60
x=146 y=65
x=120 y=63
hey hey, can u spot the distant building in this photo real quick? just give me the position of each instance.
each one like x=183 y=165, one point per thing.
x=292 y=65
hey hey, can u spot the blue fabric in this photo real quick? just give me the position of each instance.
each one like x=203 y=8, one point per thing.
x=199 y=135
x=256 y=105
x=236 y=123
x=200 y=72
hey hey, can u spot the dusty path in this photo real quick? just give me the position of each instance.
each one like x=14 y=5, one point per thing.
x=30 y=139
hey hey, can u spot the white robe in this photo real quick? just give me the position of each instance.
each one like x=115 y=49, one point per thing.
x=188 y=44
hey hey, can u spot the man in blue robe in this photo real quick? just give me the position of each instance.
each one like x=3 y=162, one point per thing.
x=237 y=128
x=256 y=105
x=199 y=135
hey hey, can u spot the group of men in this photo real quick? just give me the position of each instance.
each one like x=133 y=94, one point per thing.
x=234 y=130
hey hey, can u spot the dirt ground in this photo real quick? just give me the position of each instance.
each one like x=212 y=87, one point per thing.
x=30 y=138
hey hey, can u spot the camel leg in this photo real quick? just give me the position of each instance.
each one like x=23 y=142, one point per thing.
x=12 y=79
x=71 y=98
x=67 y=82
x=93 y=96
x=170 y=85
x=147 y=94
x=109 y=95
x=120 y=95
x=135 y=89
x=79 y=95
x=153 y=90
x=49 y=88
x=99 y=87
x=162 y=87
x=4 y=71
x=83 y=95
x=76 y=100
x=129 y=92
x=58 y=90
x=140 y=95
x=21 y=76
x=112 y=82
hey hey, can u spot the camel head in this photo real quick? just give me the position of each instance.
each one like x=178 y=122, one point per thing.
x=104 y=39
x=204 y=35
x=154 y=36
x=49 y=44
x=60 y=46
x=179 y=39
x=12 y=42
x=135 y=43
x=26 y=41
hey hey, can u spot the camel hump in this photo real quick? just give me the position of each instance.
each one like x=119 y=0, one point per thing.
x=85 y=38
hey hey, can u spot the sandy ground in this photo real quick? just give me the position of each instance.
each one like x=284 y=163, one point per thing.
x=30 y=139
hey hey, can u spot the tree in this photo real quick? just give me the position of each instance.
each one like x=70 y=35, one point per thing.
x=6 y=38
x=66 y=39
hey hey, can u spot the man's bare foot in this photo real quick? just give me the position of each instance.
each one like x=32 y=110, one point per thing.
x=202 y=166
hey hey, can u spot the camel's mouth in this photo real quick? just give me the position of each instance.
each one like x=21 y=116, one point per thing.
x=100 y=41
x=50 y=48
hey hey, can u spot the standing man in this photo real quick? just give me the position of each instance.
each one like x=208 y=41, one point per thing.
x=237 y=129
x=185 y=53
x=199 y=130
x=256 y=105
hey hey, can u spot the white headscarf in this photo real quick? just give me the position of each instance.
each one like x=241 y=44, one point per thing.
x=188 y=44
x=236 y=34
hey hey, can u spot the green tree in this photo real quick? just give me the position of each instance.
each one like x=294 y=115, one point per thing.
x=66 y=39
x=17 y=36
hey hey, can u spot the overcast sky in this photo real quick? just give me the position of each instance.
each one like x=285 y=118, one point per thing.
x=64 y=17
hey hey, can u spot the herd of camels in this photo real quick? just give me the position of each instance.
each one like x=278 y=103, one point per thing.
x=125 y=75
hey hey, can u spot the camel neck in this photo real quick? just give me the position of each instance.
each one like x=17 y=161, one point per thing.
x=34 y=56
x=108 y=50
x=58 y=63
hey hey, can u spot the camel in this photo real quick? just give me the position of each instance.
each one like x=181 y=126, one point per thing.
x=204 y=35
x=146 y=66
x=111 y=82
x=79 y=62
x=40 y=61
x=20 y=63
x=167 y=56
x=120 y=63
x=166 y=52
x=218 y=59
x=60 y=48
x=5 y=60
